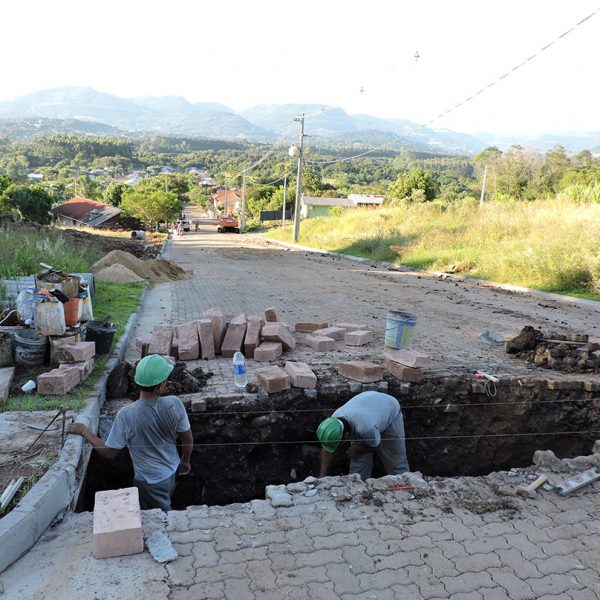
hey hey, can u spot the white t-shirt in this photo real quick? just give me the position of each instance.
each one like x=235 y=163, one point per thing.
x=149 y=429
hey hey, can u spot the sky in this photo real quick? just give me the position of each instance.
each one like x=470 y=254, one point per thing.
x=358 y=55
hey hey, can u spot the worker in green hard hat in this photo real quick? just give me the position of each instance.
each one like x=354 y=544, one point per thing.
x=151 y=428
x=373 y=423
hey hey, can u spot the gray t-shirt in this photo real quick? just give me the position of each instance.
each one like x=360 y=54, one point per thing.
x=149 y=429
x=369 y=414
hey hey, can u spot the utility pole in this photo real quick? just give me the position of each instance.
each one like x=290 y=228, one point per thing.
x=483 y=186
x=299 y=180
x=243 y=219
x=284 y=196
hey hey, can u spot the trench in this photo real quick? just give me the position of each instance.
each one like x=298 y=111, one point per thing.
x=453 y=428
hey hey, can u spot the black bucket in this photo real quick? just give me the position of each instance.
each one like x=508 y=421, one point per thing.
x=103 y=334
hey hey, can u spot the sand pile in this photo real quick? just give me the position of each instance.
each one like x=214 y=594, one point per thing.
x=117 y=273
x=156 y=271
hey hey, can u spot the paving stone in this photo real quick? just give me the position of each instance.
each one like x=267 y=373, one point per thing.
x=85 y=370
x=352 y=326
x=218 y=326
x=6 y=377
x=58 y=382
x=402 y=372
x=468 y=582
x=558 y=564
x=358 y=338
x=272 y=379
x=552 y=584
x=343 y=579
x=383 y=579
x=238 y=589
x=304 y=575
x=181 y=571
x=234 y=336
x=320 y=343
x=310 y=326
x=360 y=370
x=494 y=594
x=261 y=575
x=252 y=339
x=206 y=591
x=268 y=351
x=272 y=315
x=335 y=333
x=188 y=343
x=410 y=358
x=79 y=352
x=161 y=341
x=477 y=562
x=467 y=596
x=301 y=375
x=204 y=555
x=429 y=585
x=505 y=578
x=277 y=332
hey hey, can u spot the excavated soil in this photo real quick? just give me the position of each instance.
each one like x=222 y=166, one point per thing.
x=157 y=271
x=117 y=274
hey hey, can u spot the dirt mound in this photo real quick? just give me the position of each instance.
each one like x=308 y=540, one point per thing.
x=117 y=273
x=108 y=243
x=157 y=271
x=164 y=270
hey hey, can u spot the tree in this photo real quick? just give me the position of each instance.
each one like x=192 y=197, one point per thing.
x=405 y=185
x=88 y=188
x=556 y=164
x=113 y=194
x=33 y=203
x=153 y=207
x=200 y=197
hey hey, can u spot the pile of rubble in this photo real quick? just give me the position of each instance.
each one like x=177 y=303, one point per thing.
x=573 y=353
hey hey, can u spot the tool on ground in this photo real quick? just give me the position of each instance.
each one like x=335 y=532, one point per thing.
x=482 y=375
x=577 y=482
x=10 y=491
x=530 y=490
x=61 y=411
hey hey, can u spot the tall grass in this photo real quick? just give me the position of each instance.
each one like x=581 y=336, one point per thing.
x=23 y=248
x=552 y=245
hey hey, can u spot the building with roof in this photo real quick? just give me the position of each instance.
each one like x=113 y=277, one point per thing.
x=78 y=212
x=231 y=200
x=321 y=207
x=366 y=199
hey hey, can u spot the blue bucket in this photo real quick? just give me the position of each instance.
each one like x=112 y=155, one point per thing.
x=399 y=329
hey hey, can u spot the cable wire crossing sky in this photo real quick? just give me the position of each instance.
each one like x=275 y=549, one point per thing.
x=391 y=59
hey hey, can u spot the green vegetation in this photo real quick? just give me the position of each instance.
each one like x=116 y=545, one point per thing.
x=118 y=300
x=550 y=245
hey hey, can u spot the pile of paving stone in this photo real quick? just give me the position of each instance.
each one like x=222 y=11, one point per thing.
x=573 y=353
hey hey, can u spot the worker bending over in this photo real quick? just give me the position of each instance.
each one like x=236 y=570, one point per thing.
x=149 y=427
x=373 y=422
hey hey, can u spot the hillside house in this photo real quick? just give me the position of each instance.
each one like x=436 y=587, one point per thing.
x=231 y=200
x=321 y=207
x=78 y=212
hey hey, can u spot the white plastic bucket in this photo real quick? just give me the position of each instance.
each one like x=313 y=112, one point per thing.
x=399 y=329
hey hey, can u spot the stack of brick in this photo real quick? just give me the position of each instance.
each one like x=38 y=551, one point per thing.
x=275 y=338
x=76 y=364
x=404 y=364
x=322 y=338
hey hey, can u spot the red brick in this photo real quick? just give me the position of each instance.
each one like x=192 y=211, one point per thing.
x=207 y=342
x=272 y=315
x=310 y=326
x=361 y=370
x=143 y=340
x=335 y=333
x=351 y=326
x=301 y=375
x=268 y=351
x=252 y=339
x=188 y=347
x=320 y=343
x=58 y=381
x=79 y=352
x=402 y=372
x=117 y=523
x=234 y=337
x=85 y=368
x=278 y=332
x=218 y=323
x=410 y=358
x=162 y=336
x=57 y=343
x=358 y=338
x=256 y=318
x=273 y=379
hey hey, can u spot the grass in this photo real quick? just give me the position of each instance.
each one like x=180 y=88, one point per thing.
x=152 y=237
x=119 y=300
x=551 y=245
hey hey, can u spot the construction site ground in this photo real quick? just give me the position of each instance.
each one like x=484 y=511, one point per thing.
x=463 y=538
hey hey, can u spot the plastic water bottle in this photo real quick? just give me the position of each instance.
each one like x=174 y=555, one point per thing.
x=240 y=376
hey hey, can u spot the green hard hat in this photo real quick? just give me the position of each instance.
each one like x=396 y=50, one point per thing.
x=330 y=433
x=152 y=370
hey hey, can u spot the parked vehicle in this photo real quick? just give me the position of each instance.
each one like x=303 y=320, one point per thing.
x=227 y=222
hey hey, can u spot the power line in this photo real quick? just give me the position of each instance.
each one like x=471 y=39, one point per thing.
x=469 y=98
x=275 y=180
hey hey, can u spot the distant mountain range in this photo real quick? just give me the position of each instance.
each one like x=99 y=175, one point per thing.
x=87 y=111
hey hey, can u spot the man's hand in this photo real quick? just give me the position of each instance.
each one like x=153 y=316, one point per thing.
x=184 y=468
x=77 y=429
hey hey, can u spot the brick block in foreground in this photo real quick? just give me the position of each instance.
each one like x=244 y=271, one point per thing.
x=252 y=339
x=6 y=377
x=410 y=358
x=335 y=333
x=57 y=343
x=278 y=332
x=272 y=379
x=58 y=381
x=301 y=375
x=234 y=337
x=268 y=351
x=79 y=352
x=85 y=368
x=361 y=370
x=117 y=523
x=320 y=343
x=218 y=323
x=162 y=337
x=351 y=326
x=188 y=343
x=358 y=338
x=310 y=326
x=207 y=341
x=256 y=318
x=272 y=315
x=402 y=372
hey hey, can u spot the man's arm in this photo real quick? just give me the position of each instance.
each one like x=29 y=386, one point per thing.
x=357 y=449
x=96 y=442
x=325 y=462
x=187 y=444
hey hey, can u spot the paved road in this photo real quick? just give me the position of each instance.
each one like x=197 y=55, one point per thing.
x=463 y=538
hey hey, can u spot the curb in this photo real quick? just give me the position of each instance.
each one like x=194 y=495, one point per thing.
x=593 y=304
x=58 y=489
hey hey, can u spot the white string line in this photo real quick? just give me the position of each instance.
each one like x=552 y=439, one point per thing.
x=408 y=439
x=471 y=97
